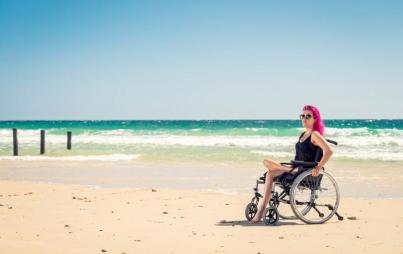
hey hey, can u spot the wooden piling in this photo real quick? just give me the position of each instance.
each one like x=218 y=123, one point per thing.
x=15 y=142
x=42 y=141
x=69 y=140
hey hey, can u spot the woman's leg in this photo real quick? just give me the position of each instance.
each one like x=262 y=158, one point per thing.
x=273 y=169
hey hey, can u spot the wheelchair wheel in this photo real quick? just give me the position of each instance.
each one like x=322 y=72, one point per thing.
x=270 y=215
x=250 y=211
x=282 y=203
x=314 y=200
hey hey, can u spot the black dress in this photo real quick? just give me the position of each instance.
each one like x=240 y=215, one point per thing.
x=306 y=151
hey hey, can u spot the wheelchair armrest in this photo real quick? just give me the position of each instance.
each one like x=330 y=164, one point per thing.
x=307 y=164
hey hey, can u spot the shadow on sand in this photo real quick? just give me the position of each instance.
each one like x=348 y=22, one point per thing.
x=246 y=223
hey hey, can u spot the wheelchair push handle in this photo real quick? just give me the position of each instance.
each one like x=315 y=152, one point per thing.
x=332 y=141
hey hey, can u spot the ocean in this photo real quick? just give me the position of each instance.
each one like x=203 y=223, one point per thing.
x=225 y=141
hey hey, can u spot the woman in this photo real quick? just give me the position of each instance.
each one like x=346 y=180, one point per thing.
x=309 y=141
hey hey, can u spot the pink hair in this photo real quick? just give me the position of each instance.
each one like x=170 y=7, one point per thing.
x=318 y=125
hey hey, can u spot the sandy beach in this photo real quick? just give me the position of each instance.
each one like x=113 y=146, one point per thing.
x=63 y=218
x=145 y=127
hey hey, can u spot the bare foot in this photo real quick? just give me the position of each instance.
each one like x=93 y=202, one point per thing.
x=257 y=217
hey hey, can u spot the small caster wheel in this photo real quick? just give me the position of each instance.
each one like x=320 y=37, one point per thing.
x=270 y=215
x=340 y=218
x=250 y=211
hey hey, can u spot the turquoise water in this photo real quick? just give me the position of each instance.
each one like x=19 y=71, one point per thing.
x=204 y=140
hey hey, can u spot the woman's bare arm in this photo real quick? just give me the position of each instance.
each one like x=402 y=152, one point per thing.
x=320 y=141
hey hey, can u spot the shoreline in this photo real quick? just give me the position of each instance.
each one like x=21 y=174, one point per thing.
x=354 y=180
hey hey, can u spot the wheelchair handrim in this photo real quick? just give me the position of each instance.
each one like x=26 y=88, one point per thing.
x=293 y=201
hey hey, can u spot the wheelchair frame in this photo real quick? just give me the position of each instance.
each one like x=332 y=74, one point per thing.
x=288 y=183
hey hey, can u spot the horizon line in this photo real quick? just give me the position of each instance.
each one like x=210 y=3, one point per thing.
x=194 y=119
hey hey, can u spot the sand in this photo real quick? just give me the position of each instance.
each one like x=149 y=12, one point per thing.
x=62 y=218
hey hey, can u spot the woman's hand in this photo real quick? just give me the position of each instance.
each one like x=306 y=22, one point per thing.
x=315 y=171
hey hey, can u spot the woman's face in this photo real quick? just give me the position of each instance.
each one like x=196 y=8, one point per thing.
x=307 y=119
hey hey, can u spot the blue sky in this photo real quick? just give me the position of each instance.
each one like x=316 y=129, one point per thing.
x=200 y=59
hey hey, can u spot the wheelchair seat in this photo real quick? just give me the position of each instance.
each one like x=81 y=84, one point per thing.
x=286 y=175
x=301 y=165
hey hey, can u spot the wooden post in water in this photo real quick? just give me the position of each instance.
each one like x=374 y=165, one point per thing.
x=69 y=140
x=42 y=141
x=15 y=142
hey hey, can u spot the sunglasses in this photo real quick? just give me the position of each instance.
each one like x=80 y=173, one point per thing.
x=307 y=116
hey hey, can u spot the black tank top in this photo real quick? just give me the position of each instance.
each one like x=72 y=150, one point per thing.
x=306 y=151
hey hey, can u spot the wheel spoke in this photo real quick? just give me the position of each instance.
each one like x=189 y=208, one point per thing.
x=311 y=191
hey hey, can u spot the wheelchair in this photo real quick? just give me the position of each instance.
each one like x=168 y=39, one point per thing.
x=312 y=199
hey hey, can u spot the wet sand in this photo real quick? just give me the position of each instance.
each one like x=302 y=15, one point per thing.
x=357 y=179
